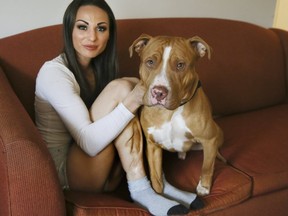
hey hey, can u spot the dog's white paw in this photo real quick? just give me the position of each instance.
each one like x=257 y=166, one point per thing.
x=202 y=191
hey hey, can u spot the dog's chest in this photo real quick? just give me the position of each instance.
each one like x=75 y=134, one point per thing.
x=173 y=135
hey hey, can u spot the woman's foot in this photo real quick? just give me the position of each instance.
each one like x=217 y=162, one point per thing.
x=143 y=194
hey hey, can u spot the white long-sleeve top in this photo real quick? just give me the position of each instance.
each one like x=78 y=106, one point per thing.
x=62 y=117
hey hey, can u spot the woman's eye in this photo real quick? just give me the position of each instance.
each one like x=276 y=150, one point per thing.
x=82 y=27
x=101 y=28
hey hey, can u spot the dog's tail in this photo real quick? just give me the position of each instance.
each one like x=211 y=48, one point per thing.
x=220 y=157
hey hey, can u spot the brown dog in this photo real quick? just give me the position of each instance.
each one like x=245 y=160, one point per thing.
x=176 y=115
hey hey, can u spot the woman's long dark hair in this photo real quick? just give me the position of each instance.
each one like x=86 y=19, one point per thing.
x=105 y=65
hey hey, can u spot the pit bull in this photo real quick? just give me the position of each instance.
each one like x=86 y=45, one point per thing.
x=176 y=115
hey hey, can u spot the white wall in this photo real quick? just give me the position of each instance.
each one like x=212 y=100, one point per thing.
x=21 y=15
x=281 y=15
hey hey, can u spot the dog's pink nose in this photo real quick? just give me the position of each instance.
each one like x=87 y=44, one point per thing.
x=159 y=92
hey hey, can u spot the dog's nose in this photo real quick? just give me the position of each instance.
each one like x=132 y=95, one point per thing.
x=159 y=92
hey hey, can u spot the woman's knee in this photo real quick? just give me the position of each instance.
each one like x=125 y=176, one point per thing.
x=122 y=87
x=114 y=93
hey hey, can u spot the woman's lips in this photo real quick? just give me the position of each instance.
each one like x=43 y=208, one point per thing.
x=90 y=47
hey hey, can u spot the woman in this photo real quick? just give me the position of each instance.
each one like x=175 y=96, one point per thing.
x=86 y=116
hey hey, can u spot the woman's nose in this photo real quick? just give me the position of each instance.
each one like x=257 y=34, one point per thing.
x=92 y=35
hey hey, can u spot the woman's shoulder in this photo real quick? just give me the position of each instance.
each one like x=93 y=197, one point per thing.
x=56 y=67
x=59 y=61
x=54 y=75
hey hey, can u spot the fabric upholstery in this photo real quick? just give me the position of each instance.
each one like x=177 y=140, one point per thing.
x=255 y=145
x=29 y=184
x=32 y=49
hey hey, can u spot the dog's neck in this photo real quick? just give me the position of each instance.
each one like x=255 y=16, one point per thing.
x=186 y=101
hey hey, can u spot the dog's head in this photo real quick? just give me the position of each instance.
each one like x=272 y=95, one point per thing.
x=167 y=68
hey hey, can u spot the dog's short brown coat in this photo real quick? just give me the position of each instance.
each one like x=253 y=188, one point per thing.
x=179 y=100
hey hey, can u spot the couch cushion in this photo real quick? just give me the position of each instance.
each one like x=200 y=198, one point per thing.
x=81 y=203
x=256 y=143
x=230 y=186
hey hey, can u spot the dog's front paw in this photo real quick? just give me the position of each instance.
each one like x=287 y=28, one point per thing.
x=201 y=190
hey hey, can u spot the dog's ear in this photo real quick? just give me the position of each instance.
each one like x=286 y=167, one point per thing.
x=200 y=46
x=139 y=44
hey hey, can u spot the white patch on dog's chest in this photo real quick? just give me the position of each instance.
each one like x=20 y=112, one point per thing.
x=171 y=135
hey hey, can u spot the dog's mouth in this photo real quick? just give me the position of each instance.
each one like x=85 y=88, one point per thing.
x=164 y=106
x=162 y=103
x=158 y=102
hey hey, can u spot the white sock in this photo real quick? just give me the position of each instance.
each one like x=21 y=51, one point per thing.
x=190 y=200
x=143 y=194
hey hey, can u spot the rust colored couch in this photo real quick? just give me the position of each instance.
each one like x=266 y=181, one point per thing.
x=246 y=81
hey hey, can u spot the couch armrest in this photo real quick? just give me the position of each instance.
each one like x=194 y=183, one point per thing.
x=283 y=36
x=28 y=179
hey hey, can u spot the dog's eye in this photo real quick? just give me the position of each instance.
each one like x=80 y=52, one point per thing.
x=180 y=66
x=150 y=63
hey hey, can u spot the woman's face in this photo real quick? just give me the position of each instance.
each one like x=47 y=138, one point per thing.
x=90 y=33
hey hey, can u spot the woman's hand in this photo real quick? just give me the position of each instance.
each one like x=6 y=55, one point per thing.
x=135 y=98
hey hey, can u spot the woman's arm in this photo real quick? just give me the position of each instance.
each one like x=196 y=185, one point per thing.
x=56 y=84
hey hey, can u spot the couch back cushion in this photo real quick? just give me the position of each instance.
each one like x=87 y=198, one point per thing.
x=22 y=55
x=246 y=71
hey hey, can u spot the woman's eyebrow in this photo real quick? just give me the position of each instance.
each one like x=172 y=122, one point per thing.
x=82 y=21
x=102 y=23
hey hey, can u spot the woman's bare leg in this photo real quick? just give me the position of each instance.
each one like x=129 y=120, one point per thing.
x=87 y=173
